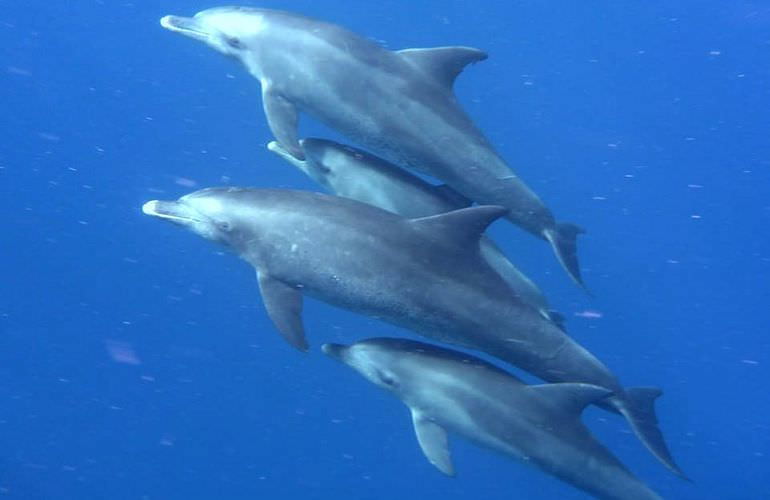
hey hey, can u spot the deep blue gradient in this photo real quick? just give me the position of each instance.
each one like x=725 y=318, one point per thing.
x=136 y=361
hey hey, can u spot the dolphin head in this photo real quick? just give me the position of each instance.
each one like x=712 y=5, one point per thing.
x=322 y=160
x=229 y=30
x=386 y=362
x=217 y=214
x=340 y=169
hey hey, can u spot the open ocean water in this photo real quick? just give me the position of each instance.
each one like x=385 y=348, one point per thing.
x=136 y=361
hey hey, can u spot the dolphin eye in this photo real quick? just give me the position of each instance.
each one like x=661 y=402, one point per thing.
x=234 y=42
x=224 y=226
x=387 y=379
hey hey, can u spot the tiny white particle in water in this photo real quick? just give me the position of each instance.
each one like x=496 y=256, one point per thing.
x=589 y=314
x=49 y=136
x=122 y=352
x=749 y=362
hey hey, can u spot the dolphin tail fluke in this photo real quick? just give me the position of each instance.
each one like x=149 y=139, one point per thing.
x=638 y=406
x=563 y=240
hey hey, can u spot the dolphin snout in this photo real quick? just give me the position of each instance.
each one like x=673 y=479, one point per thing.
x=335 y=351
x=187 y=26
x=168 y=22
x=151 y=207
x=169 y=210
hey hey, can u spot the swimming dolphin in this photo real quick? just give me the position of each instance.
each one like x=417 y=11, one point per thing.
x=399 y=104
x=425 y=274
x=353 y=173
x=446 y=390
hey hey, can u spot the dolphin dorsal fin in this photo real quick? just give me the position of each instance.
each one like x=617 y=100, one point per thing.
x=462 y=227
x=570 y=399
x=443 y=63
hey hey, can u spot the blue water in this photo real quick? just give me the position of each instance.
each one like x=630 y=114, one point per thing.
x=136 y=361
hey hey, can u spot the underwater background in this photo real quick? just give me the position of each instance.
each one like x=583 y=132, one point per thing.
x=136 y=360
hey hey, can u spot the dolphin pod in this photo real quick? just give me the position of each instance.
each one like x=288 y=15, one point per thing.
x=399 y=104
x=392 y=246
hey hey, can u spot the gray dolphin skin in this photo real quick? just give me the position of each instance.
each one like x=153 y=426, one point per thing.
x=448 y=391
x=352 y=173
x=398 y=104
x=425 y=274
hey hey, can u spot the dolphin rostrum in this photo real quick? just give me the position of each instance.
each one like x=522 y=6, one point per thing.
x=425 y=274
x=446 y=390
x=352 y=173
x=399 y=104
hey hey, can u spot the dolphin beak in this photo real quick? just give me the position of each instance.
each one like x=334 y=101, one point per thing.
x=187 y=26
x=169 y=210
x=334 y=351
x=276 y=148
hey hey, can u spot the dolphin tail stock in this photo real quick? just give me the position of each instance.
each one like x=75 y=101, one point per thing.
x=637 y=405
x=563 y=240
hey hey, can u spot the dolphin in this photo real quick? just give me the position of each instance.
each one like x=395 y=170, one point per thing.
x=398 y=104
x=447 y=390
x=425 y=274
x=353 y=173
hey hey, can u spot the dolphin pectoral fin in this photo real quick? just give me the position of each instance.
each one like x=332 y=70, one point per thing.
x=443 y=63
x=452 y=196
x=563 y=240
x=570 y=399
x=282 y=118
x=462 y=227
x=284 y=306
x=638 y=406
x=279 y=150
x=433 y=441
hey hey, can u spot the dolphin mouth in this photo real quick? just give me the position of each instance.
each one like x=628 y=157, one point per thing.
x=170 y=210
x=187 y=26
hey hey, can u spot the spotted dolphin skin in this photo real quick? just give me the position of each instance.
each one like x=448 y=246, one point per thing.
x=448 y=391
x=352 y=173
x=425 y=274
x=398 y=104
